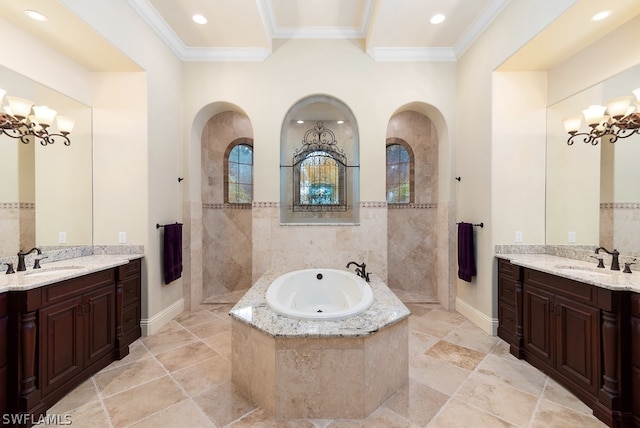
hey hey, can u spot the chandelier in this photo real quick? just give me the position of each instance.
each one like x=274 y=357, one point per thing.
x=25 y=121
x=618 y=119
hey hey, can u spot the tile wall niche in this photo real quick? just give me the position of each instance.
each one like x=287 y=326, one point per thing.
x=226 y=228
x=413 y=228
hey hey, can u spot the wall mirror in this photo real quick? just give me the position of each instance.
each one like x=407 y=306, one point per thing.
x=45 y=191
x=593 y=192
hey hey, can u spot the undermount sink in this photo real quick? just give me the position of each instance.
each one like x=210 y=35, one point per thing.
x=54 y=271
x=582 y=269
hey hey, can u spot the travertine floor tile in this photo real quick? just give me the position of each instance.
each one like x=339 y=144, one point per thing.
x=201 y=376
x=460 y=356
x=556 y=393
x=498 y=399
x=185 y=356
x=84 y=394
x=437 y=374
x=472 y=337
x=456 y=414
x=190 y=319
x=183 y=414
x=211 y=328
x=416 y=403
x=143 y=401
x=523 y=377
x=552 y=415
x=125 y=377
x=224 y=403
x=137 y=351
x=173 y=336
x=381 y=417
x=221 y=343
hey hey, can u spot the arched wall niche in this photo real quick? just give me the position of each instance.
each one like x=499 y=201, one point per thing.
x=323 y=127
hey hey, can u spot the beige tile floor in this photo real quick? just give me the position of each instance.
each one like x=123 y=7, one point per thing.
x=459 y=377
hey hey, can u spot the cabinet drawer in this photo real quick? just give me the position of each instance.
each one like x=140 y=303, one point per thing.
x=130 y=319
x=130 y=292
x=507 y=292
x=131 y=269
x=507 y=326
x=574 y=290
x=74 y=287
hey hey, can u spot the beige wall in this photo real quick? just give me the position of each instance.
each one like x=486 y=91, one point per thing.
x=480 y=149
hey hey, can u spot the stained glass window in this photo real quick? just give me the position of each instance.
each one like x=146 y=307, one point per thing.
x=240 y=174
x=319 y=179
x=398 y=175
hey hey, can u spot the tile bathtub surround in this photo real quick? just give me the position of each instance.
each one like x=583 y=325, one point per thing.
x=493 y=389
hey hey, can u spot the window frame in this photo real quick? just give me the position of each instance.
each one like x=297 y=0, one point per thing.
x=235 y=143
x=402 y=143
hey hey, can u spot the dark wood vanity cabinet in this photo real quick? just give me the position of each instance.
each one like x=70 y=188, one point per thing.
x=61 y=334
x=578 y=334
x=77 y=324
x=4 y=321
x=128 y=292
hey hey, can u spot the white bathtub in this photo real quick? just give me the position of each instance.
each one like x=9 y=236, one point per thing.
x=319 y=294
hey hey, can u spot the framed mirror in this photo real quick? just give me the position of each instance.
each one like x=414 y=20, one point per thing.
x=593 y=191
x=46 y=191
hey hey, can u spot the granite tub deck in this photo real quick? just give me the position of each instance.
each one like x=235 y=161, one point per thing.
x=319 y=369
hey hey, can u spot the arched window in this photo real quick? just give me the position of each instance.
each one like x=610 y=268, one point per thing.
x=399 y=172
x=239 y=172
x=320 y=179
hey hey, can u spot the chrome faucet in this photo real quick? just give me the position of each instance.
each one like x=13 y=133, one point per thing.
x=21 y=265
x=615 y=264
x=360 y=270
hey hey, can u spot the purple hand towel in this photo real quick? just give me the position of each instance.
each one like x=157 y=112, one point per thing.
x=172 y=252
x=466 y=256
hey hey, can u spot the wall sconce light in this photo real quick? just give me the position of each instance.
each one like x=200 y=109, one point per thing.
x=618 y=119
x=17 y=121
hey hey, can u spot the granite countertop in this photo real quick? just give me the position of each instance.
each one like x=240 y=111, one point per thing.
x=578 y=270
x=252 y=309
x=60 y=270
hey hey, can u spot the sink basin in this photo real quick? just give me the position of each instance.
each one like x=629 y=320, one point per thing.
x=53 y=271
x=586 y=270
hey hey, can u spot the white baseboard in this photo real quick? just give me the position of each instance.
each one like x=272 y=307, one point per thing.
x=486 y=323
x=152 y=325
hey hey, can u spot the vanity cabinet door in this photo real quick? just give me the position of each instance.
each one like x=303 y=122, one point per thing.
x=61 y=343
x=100 y=323
x=577 y=342
x=3 y=353
x=538 y=321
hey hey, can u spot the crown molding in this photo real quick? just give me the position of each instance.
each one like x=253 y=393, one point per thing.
x=412 y=54
x=163 y=30
x=490 y=13
x=278 y=32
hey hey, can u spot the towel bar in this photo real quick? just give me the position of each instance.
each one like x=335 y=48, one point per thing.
x=158 y=225
x=479 y=224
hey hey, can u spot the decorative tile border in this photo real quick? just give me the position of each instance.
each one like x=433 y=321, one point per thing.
x=15 y=205
x=412 y=206
x=227 y=206
x=362 y=204
x=620 y=205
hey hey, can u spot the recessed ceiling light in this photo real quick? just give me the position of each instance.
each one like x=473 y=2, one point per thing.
x=199 y=19
x=437 y=18
x=300 y=121
x=340 y=122
x=34 y=14
x=601 y=15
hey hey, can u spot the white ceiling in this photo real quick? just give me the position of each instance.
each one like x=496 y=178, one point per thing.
x=247 y=29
